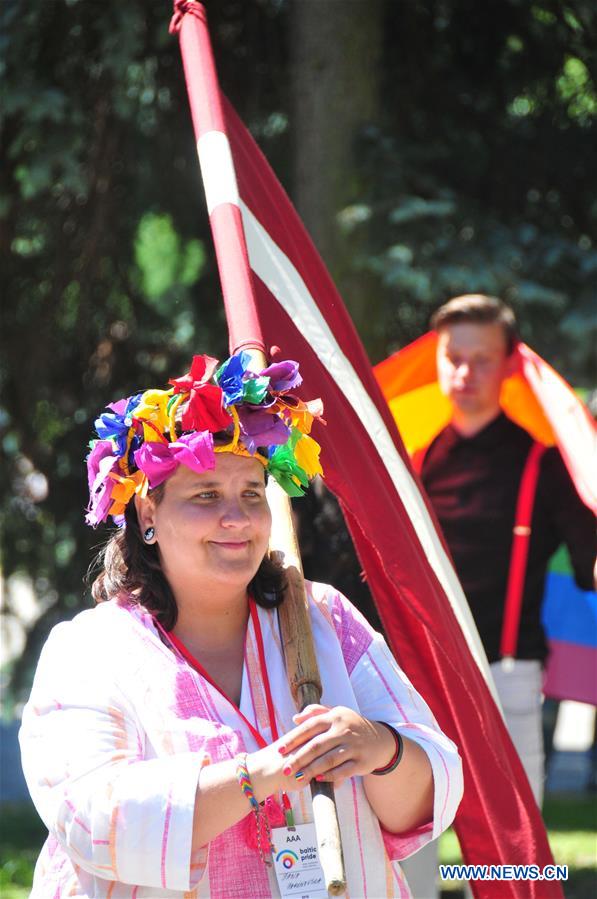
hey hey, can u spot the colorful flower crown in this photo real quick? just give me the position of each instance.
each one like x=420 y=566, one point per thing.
x=144 y=438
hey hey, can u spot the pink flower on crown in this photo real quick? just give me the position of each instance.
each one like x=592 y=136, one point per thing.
x=160 y=460
x=100 y=462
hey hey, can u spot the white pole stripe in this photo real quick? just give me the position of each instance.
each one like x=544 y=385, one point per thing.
x=285 y=283
x=217 y=170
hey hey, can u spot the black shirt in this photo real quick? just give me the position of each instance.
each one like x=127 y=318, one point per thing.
x=473 y=483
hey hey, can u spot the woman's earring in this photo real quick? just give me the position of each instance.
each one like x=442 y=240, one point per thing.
x=149 y=535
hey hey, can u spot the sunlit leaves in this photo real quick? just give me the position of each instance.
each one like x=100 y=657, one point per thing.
x=413 y=208
x=522 y=105
x=577 y=91
x=163 y=259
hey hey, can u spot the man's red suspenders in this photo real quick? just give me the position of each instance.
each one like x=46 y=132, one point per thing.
x=520 y=551
x=520 y=544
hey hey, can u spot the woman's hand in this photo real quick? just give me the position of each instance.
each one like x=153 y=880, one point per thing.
x=267 y=769
x=332 y=744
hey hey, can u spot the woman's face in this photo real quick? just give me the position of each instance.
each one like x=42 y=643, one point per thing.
x=212 y=527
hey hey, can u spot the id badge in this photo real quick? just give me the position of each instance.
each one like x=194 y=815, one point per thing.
x=296 y=862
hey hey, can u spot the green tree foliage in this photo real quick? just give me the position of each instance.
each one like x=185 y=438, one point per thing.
x=104 y=240
x=481 y=171
x=476 y=174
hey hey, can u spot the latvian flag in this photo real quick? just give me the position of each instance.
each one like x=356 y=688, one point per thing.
x=417 y=594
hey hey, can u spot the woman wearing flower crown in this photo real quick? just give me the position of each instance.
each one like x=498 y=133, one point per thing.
x=160 y=742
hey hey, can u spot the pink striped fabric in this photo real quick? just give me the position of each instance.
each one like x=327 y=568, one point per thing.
x=123 y=750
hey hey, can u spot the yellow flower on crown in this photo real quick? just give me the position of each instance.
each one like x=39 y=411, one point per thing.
x=153 y=412
x=306 y=453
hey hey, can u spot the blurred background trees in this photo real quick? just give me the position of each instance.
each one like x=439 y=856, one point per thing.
x=433 y=147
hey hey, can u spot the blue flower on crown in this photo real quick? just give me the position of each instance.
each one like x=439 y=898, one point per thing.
x=229 y=377
x=115 y=425
x=136 y=444
x=238 y=384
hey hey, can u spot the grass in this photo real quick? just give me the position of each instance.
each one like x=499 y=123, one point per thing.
x=571 y=823
x=21 y=837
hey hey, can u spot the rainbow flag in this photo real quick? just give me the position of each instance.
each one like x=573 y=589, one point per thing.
x=536 y=397
x=570 y=622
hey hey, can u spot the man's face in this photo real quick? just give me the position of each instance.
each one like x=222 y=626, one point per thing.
x=472 y=362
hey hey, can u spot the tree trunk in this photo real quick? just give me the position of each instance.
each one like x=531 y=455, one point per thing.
x=335 y=50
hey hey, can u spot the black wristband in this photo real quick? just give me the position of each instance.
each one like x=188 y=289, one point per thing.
x=395 y=760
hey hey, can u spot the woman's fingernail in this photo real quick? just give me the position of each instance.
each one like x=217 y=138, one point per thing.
x=282 y=750
x=320 y=777
x=287 y=769
x=299 y=775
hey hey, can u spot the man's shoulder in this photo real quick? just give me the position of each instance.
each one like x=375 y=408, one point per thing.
x=551 y=463
x=501 y=430
x=553 y=466
x=507 y=430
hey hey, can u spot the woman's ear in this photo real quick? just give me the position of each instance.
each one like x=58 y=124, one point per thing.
x=145 y=508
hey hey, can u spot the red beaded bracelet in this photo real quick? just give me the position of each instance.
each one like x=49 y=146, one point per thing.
x=395 y=760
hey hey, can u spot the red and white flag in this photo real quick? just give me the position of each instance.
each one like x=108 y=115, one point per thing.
x=416 y=591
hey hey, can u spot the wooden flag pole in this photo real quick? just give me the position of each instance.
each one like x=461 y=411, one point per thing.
x=303 y=676
x=219 y=180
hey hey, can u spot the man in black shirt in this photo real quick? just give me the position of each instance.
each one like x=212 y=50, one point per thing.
x=472 y=473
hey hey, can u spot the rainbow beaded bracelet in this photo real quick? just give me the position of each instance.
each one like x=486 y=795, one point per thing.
x=264 y=833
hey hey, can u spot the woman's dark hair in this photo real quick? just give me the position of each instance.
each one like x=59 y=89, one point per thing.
x=131 y=566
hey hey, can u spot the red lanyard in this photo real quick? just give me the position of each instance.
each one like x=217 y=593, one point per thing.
x=196 y=664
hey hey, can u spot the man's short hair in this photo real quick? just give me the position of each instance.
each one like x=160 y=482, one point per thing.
x=478 y=309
